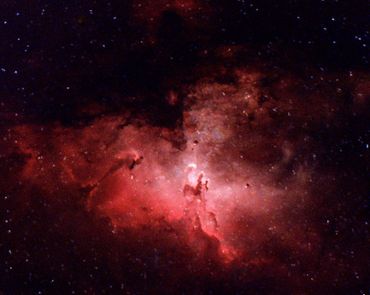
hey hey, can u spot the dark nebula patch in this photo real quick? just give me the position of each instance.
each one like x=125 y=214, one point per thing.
x=184 y=147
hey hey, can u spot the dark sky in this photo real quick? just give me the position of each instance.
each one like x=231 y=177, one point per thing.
x=56 y=55
x=184 y=147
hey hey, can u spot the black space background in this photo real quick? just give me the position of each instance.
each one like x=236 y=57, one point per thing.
x=53 y=63
x=63 y=47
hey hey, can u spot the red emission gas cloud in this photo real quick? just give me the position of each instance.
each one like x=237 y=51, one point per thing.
x=240 y=193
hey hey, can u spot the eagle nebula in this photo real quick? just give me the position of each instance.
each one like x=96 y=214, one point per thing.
x=184 y=147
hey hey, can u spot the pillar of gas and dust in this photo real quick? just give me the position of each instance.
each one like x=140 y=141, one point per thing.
x=195 y=190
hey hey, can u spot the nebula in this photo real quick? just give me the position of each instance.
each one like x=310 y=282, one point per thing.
x=234 y=189
x=154 y=147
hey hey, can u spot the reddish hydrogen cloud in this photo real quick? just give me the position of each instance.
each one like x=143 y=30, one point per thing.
x=150 y=12
x=174 y=15
x=239 y=189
